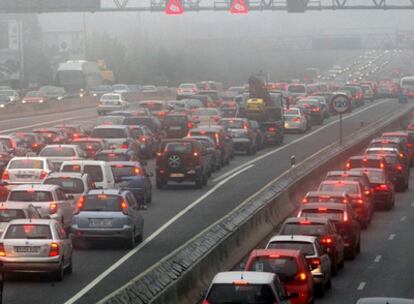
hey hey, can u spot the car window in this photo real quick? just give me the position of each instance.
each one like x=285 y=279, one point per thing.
x=30 y=196
x=28 y=231
x=102 y=202
x=60 y=195
x=122 y=170
x=305 y=247
x=339 y=187
x=332 y=214
x=315 y=229
x=183 y=147
x=26 y=164
x=232 y=293
x=6 y=215
x=285 y=267
x=95 y=172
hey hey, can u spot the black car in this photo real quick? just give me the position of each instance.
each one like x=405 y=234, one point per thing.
x=177 y=125
x=152 y=122
x=326 y=232
x=181 y=160
x=146 y=139
x=33 y=141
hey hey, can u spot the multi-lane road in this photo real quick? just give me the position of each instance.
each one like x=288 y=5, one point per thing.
x=179 y=212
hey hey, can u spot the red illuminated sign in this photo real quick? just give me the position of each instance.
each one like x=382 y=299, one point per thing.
x=174 y=7
x=239 y=7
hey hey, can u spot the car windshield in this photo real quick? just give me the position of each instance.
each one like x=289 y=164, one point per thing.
x=231 y=293
x=57 y=151
x=102 y=202
x=305 y=247
x=285 y=267
x=205 y=112
x=333 y=214
x=310 y=228
x=340 y=187
x=28 y=231
x=30 y=196
x=26 y=164
x=183 y=147
x=6 y=215
x=108 y=133
x=324 y=199
x=232 y=123
x=68 y=184
x=297 y=89
x=376 y=176
x=366 y=163
x=111 y=97
x=121 y=171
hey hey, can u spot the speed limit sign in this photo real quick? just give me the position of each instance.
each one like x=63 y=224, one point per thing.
x=341 y=104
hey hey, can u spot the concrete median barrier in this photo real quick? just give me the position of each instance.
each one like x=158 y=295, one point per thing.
x=180 y=276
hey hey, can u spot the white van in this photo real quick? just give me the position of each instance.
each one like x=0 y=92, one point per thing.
x=99 y=172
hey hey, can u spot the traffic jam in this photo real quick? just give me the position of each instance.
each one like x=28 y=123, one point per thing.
x=76 y=184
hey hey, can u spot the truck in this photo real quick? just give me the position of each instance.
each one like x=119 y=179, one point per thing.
x=267 y=108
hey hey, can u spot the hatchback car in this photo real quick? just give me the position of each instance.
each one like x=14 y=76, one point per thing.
x=244 y=139
x=176 y=125
x=111 y=102
x=33 y=141
x=36 y=245
x=90 y=145
x=108 y=215
x=57 y=154
x=296 y=120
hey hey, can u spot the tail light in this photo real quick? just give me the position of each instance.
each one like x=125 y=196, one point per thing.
x=35 y=145
x=53 y=207
x=348 y=166
x=2 y=251
x=159 y=154
x=314 y=263
x=327 y=240
x=5 y=175
x=346 y=217
x=301 y=277
x=305 y=200
x=399 y=168
x=137 y=171
x=189 y=125
x=316 y=110
x=43 y=175
x=206 y=302
x=271 y=129
x=296 y=119
x=359 y=201
x=79 y=204
x=124 y=146
x=124 y=207
x=382 y=187
x=54 y=250
x=142 y=138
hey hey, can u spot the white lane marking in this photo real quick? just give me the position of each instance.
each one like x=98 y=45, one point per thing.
x=122 y=260
x=361 y=286
x=41 y=124
x=391 y=237
x=412 y=204
x=294 y=142
x=403 y=218
x=378 y=258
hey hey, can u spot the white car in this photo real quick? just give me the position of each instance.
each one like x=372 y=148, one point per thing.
x=111 y=102
x=36 y=245
x=318 y=260
x=50 y=200
x=12 y=94
x=57 y=154
x=207 y=116
x=15 y=211
x=295 y=120
x=24 y=170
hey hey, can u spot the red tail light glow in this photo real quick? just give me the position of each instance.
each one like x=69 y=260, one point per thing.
x=301 y=277
x=271 y=129
x=327 y=240
x=297 y=119
x=5 y=175
x=54 y=249
x=53 y=207
x=2 y=251
x=124 y=207
x=240 y=283
x=382 y=187
x=43 y=175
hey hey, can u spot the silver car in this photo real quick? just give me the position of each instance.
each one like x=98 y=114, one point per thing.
x=111 y=102
x=108 y=215
x=36 y=245
x=24 y=170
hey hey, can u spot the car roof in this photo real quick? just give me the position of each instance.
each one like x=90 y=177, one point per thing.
x=283 y=252
x=118 y=150
x=253 y=277
x=206 y=128
x=85 y=139
x=298 y=238
x=35 y=187
x=384 y=300
x=367 y=170
x=61 y=146
x=392 y=140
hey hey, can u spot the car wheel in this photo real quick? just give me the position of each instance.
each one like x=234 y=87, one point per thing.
x=139 y=238
x=59 y=273
x=199 y=182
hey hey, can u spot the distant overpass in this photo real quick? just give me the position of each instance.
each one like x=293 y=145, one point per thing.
x=293 y=6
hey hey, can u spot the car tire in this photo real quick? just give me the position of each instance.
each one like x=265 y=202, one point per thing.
x=139 y=238
x=199 y=182
x=59 y=273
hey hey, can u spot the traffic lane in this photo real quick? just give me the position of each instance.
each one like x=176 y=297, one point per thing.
x=384 y=267
x=220 y=202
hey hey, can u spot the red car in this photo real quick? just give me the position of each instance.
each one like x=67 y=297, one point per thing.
x=290 y=266
x=35 y=97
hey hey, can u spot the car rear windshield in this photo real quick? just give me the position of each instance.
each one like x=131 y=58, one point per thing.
x=110 y=120
x=30 y=196
x=369 y=163
x=194 y=103
x=293 y=112
x=152 y=106
x=121 y=171
x=112 y=156
x=57 y=151
x=175 y=119
x=6 y=215
x=109 y=133
x=26 y=164
x=93 y=171
x=183 y=147
x=110 y=102
x=376 y=177
x=333 y=214
x=232 y=123
x=305 y=247
x=89 y=145
x=205 y=112
x=132 y=121
x=110 y=97
x=102 y=202
x=324 y=199
x=315 y=229
x=297 y=89
x=28 y=231
x=285 y=267
x=391 y=159
x=231 y=293
x=68 y=184
x=339 y=187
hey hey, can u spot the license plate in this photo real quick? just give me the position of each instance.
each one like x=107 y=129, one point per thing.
x=175 y=128
x=100 y=223
x=27 y=249
x=24 y=176
x=177 y=175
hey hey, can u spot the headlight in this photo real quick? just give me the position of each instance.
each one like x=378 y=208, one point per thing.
x=41 y=101
x=2 y=106
x=23 y=101
x=81 y=95
x=12 y=98
x=94 y=94
x=60 y=98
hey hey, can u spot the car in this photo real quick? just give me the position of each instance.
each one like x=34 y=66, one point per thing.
x=116 y=155
x=369 y=93
x=366 y=161
x=74 y=131
x=74 y=184
x=296 y=120
x=36 y=245
x=5 y=101
x=52 y=135
x=194 y=103
x=351 y=175
x=325 y=230
x=207 y=116
x=315 y=108
x=14 y=211
x=345 y=222
x=186 y=90
x=398 y=143
x=35 y=97
x=98 y=171
x=290 y=266
x=151 y=122
x=111 y=102
x=408 y=139
x=318 y=260
x=51 y=201
x=23 y=170
x=232 y=92
x=12 y=96
x=181 y=160
x=109 y=120
x=360 y=201
x=100 y=90
x=33 y=141
x=176 y=125
x=120 y=88
x=338 y=197
x=357 y=94
x=383 y=189
x=111 y=214
x=239 y=286
x=90 y=145
x=297 y=90
x=229 y=109
x=13 y=145
x=158 y=108
x=213 y=153
x=384 y=300
x=149 y=89
x=57 y=154
x=221 y=138
x=244 y=139
x=146 y=140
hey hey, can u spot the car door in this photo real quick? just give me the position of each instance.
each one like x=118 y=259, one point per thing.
x=134 y=212
x=65 y=205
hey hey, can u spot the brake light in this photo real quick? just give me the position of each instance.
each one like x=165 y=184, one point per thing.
x=315 y=110
x=2 y=251
x=159 y=154
x=382 y=187
x=367 y=192
x=399 y=168
x=359 y=201
x=274 y=256
x=124 y=146
x=271 y=129
x=305 y=222
x=382 y=165
x=5 y=175
x=241 y=283
x=305 y=200
x=296 y=119
x=54 y=250
x=195 y=154
x=301 y=277
x=327 y=240
x=137 y=171
x=345 y=201
x=345 y=216
x=43 y=175
x=348 y=165
x=206 y=302
x=315 y=262
x=189 y=125
x=53 y=207
x=124 y=207
x=34 y=145
x=322 y=209
x=79 y=204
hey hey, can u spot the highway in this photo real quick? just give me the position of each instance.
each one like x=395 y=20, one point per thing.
x=179 y=212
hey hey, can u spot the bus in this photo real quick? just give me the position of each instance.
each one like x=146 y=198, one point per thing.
x=407 y=84
x=78 y=76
